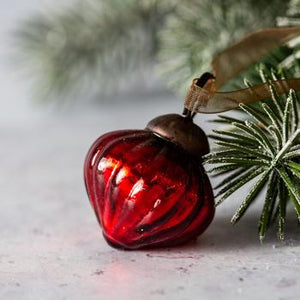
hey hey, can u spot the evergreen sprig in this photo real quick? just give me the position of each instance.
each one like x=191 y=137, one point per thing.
x=198 y=30
x=263 y=149
x=97 y=46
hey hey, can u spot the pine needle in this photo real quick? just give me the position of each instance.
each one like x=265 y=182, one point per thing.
x=267 y=147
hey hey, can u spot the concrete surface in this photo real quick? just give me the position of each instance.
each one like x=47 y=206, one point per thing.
x=50 y=243
x=51 y=246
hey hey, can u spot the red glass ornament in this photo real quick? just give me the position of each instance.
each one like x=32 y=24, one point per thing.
x=147 y=190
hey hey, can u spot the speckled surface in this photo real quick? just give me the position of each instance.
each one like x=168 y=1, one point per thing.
x=51 y=246
x=50 y=243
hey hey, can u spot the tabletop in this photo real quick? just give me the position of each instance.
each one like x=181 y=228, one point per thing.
x=51 y=246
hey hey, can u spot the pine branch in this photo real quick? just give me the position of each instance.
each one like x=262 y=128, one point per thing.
x=90 y=46
x=264 y=146
x=198 y=30
x=269 y=204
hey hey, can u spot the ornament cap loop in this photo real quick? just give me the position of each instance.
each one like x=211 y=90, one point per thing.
x=205 y=96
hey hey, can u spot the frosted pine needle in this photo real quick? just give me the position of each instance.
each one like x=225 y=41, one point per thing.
x=264 y=148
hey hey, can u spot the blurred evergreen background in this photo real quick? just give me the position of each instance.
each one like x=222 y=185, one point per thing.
x=87 y=49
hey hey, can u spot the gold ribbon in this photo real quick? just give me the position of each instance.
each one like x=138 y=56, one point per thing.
x=234 y=60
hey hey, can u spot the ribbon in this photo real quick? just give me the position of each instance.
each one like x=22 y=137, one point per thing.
x=231 y=62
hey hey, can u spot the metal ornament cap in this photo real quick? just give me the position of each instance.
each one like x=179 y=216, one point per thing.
x=181 y=131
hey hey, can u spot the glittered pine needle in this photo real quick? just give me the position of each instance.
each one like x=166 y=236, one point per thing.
x=265 y=148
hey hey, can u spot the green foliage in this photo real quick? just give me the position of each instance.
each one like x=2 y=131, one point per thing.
x=200 y=29
x=293 y=8
x=95 y=46
x=264 y=148
x=292 y=17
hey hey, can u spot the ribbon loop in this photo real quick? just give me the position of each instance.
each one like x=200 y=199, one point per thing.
x=231 y=62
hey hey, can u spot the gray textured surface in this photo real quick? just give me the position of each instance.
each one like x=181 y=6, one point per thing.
x=50 y=243
x=51 y=246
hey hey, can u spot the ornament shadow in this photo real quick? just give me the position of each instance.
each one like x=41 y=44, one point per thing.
x=223 y=236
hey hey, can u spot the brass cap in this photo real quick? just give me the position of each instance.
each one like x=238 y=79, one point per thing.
x=182 y=131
